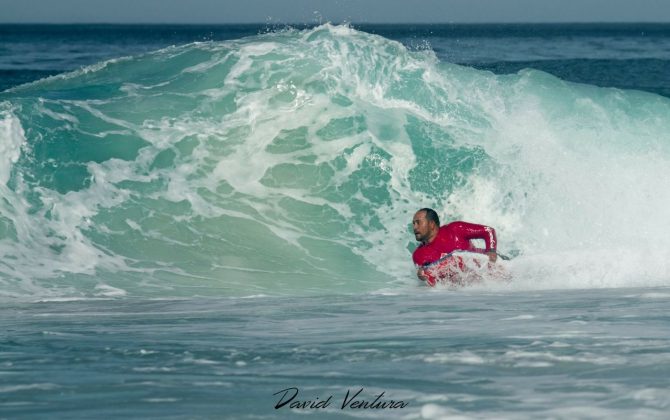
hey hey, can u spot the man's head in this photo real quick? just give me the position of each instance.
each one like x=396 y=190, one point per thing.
x=426 y=224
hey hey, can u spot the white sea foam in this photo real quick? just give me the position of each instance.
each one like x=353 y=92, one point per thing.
x=12 y=138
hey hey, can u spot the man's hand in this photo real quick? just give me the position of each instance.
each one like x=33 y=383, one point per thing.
x=421 y=275
x=493 y=256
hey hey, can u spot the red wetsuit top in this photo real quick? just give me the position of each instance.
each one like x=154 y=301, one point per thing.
x=455 y=236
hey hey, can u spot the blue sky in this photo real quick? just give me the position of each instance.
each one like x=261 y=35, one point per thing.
x=309 y=11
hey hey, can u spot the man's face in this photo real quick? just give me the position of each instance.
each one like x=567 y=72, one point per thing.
x=422 y=227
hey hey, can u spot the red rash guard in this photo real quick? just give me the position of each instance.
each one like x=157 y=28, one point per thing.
x=455 y=236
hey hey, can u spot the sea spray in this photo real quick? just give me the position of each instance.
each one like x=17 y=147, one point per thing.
x=291 y=163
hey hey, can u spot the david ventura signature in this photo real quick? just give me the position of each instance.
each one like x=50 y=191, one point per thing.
x=350 y=400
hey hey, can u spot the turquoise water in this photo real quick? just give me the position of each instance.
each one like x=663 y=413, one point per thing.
x=193 y=229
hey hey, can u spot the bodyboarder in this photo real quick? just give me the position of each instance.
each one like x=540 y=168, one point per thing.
x=438 y=245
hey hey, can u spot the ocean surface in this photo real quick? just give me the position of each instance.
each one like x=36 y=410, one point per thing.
x=215 y=221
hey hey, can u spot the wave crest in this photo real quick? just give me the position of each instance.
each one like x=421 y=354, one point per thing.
x=292 y=162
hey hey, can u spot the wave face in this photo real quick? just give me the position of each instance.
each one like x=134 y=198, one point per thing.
x=292 y=162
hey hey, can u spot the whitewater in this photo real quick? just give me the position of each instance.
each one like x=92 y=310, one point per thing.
x=193 y=229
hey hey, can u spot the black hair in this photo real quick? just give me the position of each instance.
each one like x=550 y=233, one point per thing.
x=431 y=215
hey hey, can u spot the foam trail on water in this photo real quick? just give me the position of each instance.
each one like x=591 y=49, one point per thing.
x=292 y=162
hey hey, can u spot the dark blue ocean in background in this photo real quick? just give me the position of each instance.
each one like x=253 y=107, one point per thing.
x=622 y=55
x=201 y=222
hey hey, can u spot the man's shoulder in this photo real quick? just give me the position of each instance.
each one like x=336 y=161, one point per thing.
x=452 y=225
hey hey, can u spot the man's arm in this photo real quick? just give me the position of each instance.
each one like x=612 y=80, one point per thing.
x=488 y=234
